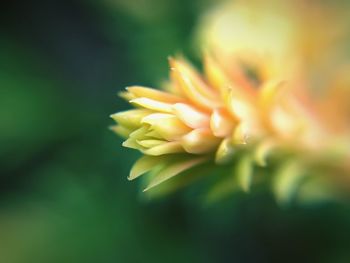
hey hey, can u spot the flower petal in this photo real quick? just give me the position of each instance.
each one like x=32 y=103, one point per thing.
x=270 y=92
x=165 y=148
x=143 y=165
x=132 y=143
x=200 y=141
x=154 y=94
x=262 y=151
x=130 y=118
x=139 y=134
x=172 y=170
x=221 y=123
x=121 y=130
x=240 y=134
x=224 y=152
x=192 y=85
x=126 y=95
x=152 y=104
x=150 y=143
x=191 y=116
x=168 y=126
x=241 y=108
x=215 y=75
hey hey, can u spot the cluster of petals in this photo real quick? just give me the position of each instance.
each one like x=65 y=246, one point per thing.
x=207 y=116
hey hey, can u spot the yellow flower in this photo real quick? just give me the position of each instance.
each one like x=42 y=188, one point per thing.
x=199 y=119
x=248 y=109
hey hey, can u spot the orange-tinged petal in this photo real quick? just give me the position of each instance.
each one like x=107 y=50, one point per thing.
x=192 y=85
x=270 y=92
x=221 y=123
x=239 y=80
x=215 y=75
x=241 y=108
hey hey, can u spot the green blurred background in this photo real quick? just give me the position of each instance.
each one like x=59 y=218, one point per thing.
x=64 y=194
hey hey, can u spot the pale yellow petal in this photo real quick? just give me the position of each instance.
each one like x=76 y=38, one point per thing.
x=168 y=126
x=200 y=141
x=153 y=134
x=139 y=134
x=121 y=130
x=152 y=104
x=132 y=143
x=242 y=108
x=165 y=148
x=143 y=165
x=130 y=118
x=144 y=92
x=126 y=95
x=150 y=143
x=172 y=170
x=190 y=116
x=240 y=134
x=224 y=152
x=262 y=151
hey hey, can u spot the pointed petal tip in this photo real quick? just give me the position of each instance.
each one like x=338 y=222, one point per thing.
x=171 y=61
x=173 y=170
x=114 y=115
x=224 y=152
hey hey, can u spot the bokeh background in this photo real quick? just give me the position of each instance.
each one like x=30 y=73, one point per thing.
x=64 y=194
